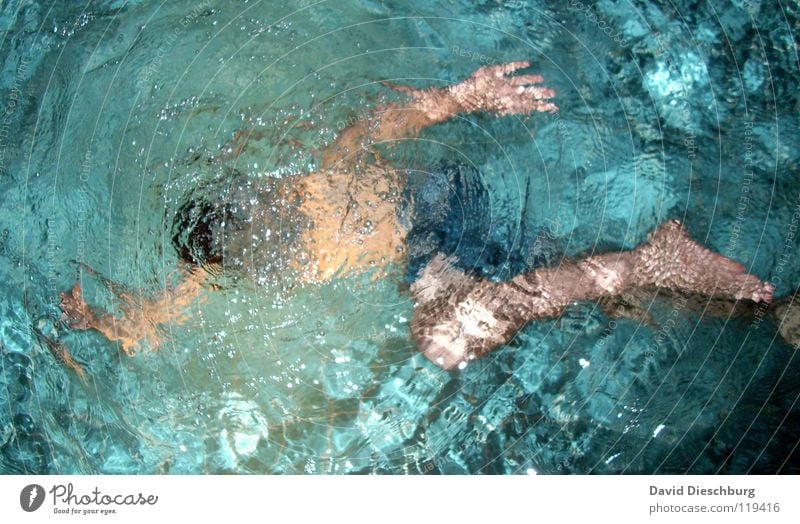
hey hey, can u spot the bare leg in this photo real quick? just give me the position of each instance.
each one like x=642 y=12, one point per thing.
x=459 y=318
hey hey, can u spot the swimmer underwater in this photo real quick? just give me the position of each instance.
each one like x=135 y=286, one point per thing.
x=344 y=219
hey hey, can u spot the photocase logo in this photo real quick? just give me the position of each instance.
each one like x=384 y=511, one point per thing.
x=31 y=497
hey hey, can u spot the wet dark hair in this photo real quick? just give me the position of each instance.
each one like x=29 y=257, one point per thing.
x=195 y=228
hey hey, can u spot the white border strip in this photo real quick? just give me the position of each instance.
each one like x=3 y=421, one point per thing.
x=403 y=499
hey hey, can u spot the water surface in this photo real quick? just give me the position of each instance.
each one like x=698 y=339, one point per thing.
x=112 y=110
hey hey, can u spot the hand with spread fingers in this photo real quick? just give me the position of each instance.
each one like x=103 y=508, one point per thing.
x=492 y=89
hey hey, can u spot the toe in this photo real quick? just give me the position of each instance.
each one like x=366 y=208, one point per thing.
x=765 y=293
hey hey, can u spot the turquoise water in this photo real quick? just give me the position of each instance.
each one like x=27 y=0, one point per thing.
x=667 y=110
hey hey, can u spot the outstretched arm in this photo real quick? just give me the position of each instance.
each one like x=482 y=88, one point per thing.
x=489 y=89
x=140 y=318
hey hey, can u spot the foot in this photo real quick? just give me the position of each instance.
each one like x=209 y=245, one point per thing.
x=491 y=89
x=671 y=259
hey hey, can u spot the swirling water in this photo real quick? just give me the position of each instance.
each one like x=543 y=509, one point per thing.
x=115 y=110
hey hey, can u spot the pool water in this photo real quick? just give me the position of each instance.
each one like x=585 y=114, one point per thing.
x=114 y=111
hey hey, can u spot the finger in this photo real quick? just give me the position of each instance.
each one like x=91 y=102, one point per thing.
x=526 y=79
x=513 y=66
x=526 y=107
x=546 y=107
x=540 y=93
x=504 y=69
